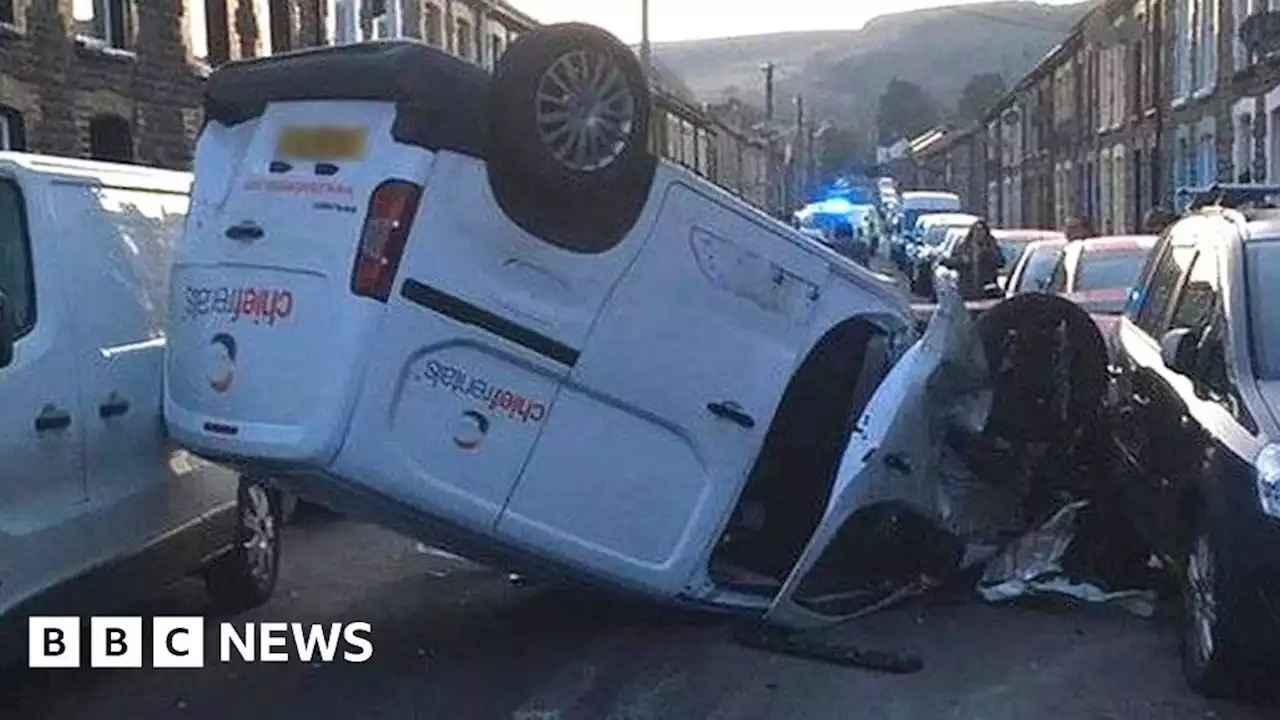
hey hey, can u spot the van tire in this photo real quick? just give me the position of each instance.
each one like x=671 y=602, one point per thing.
x=536 y=180
x=245 y=576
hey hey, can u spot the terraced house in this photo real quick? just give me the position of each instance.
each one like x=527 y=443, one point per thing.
x=121 y=79
x=1142 y=103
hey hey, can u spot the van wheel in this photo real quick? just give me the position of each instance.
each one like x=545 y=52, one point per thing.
x=245 y=577
x=569 y=128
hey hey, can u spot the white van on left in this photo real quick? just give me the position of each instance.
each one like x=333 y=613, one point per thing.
x=92 y=492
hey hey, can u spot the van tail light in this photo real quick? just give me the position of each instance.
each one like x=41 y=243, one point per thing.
x=382 y=240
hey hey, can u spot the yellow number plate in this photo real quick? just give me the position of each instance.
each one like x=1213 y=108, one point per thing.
x=321 y=143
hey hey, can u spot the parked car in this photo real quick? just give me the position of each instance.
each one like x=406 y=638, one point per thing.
x=1098 y=273
x=1035 y=267
x=437 y=338
x=923 y=254
x=1014 y=242
x=1196 y=427
x=913 y=205
x=96 y=504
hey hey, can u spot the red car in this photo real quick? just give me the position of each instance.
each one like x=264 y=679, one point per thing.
x=1097 y=273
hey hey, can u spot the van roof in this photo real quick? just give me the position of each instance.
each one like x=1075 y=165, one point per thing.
x=116 y=174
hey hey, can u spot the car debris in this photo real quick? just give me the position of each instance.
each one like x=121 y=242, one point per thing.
x=1033 y=565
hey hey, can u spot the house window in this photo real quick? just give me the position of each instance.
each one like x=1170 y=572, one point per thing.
x=1244 y=149
x=1208 y=43
x=495 y=47
x=1241 y=11
x=432 y=25
x=12 y=129
x=198 y=30
x=346 y=22
x=106 y=21
x=7 y=15
x=1182 y=48
x=381 y=20
x=464 y=37
x=1208 y=159
x=110 y=139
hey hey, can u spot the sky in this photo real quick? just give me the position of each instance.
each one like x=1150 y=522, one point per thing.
x=671 y=20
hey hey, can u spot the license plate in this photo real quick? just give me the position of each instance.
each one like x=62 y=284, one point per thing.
x=321 y=143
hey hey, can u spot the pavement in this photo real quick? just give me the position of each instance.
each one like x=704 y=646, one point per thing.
x=455 y=640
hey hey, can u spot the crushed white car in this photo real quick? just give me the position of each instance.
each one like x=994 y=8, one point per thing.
x=478 y=310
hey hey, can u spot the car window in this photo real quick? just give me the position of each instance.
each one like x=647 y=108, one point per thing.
x=1039 y=268
x=1199 y=297
x=17 y=280
x=1262 y=285
x=1153 y=304
x=1106 y=270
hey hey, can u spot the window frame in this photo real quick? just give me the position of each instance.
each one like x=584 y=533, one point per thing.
x=105 y=21
x=1203 y=249
x=13 y=129
x=32 y=312
x=129 y=130
x=1156 y=325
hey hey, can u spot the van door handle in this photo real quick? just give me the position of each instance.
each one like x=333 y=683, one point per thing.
x=113 y=407
x=732 y=412
x=51 y=418
x=244 y=231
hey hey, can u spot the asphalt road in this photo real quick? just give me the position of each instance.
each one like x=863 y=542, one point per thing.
x=453 y=640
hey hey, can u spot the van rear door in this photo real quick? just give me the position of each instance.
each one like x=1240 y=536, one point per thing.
x=281 y=276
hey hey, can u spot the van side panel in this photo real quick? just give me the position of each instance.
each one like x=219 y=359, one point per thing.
x=43 y=539
x=643 y=456
x=482 y=327
x=118 y=256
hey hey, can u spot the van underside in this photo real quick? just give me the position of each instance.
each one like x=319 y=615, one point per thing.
x=793 y=476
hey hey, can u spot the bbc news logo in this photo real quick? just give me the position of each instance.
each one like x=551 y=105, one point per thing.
x=179 y=642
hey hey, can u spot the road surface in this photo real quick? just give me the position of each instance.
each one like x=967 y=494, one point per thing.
x=453 y=640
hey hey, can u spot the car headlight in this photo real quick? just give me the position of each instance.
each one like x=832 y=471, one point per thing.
x=1268 y=467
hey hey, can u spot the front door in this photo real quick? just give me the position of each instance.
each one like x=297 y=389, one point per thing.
x=42 y=481
x=640 y=462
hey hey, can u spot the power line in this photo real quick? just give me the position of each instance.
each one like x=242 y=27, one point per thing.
x=1012 y=22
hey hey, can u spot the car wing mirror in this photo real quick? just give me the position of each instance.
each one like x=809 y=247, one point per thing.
x=7 y=332
x=1177 y=350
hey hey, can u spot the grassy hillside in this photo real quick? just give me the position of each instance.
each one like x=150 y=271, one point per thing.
x=843 y=72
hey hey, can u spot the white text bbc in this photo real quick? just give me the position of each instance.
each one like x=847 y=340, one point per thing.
x=178 y=642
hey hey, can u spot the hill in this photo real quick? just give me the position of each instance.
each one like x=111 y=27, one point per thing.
x=843 y=72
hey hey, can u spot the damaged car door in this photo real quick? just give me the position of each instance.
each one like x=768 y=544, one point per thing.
x=884 y=527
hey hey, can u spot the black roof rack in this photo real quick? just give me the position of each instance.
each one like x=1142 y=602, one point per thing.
x=1233 y=195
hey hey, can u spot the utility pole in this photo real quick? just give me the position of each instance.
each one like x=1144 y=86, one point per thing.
x=646 y=52
x=772 y=178
x=801 y=153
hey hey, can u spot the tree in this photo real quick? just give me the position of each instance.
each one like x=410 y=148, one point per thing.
x=906 y=110
x=840 y=150
x=982 y=93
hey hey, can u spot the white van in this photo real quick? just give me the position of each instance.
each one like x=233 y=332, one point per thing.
x=95 y=502
x=479 y=311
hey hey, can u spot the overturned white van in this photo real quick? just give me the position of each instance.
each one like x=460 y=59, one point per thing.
x=478 y=310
